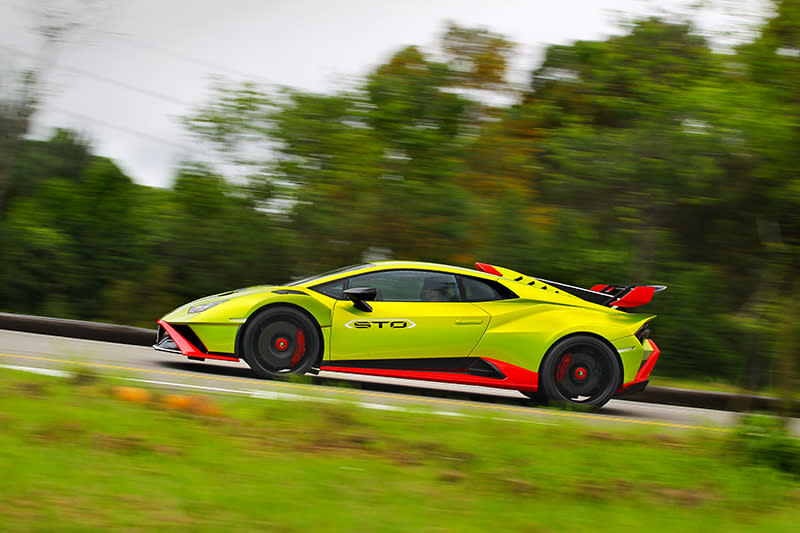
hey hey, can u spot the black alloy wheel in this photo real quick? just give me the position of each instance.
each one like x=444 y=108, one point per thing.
x=580 y=370
x=280 y=341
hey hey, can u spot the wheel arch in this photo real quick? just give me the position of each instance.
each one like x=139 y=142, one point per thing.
x=272 y=305
x=602 y=339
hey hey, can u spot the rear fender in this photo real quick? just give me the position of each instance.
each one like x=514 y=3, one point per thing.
x=602 y=339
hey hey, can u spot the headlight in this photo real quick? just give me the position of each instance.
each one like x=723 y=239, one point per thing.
x=204 y=307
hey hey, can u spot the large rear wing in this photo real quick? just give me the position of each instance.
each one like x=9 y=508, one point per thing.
x=613 y=295
x=609 y=295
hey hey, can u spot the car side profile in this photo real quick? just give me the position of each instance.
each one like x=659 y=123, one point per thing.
x=491 y=327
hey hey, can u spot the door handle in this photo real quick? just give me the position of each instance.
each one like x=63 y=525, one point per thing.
x=469 y=322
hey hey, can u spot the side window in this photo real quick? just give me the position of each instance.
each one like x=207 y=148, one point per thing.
x=478 y=290
x=334 y=289
x=410 y=286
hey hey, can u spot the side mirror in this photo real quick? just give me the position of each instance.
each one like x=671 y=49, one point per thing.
x=360 y=296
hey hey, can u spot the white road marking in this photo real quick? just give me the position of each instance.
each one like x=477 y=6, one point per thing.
x=380 y=406
x=42 y=371
x=503 y=419
x=259 y=394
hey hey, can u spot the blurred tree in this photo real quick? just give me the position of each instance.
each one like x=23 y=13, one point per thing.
x=625 y=144
x=218 y=238
x=39 y=266
x=20 y=91
x=620 y=141
x=90 y=224
x=66 y=154
x=645 y=157
x=331 y=159
x=769 y=134
x=423 y=128
x=478 y=58
x=374 y=167
x=16 y=109
x=102 y=219
x=419 y=121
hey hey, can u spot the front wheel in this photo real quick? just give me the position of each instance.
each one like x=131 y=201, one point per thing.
x=280 y=341
x=580 y=370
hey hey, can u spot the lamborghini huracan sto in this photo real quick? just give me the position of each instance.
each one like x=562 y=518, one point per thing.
x=491 y=327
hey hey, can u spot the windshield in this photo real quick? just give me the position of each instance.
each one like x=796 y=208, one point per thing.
x=326 y=274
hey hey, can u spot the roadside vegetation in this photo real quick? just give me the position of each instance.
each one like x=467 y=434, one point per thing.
x=655 y=155
x=85 y=454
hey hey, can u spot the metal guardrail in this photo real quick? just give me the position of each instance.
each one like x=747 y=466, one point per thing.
x=78 y=329
x=97 y=331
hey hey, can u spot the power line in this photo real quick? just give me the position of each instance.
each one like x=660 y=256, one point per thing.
x=126 y=129
x=189 y=59
x=130 y=41
x=92 y=75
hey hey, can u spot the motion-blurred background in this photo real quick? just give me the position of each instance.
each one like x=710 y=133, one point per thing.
x=666 y=152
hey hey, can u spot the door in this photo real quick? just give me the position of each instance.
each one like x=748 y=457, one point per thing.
x=416 y=314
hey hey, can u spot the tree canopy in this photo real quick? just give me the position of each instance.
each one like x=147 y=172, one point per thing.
x=647 y=157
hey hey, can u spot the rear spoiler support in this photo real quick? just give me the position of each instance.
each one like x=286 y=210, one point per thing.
x=609 y=295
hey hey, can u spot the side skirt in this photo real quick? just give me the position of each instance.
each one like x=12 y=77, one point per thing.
x=481 y=371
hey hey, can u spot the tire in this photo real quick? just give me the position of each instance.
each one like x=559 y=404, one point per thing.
x=580 y=370
x=280 y=341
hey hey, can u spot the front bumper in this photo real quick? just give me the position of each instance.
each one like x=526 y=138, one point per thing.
x=169 y=340
x=648 y=362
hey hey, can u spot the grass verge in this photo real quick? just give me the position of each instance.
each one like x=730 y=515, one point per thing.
x=81 y=455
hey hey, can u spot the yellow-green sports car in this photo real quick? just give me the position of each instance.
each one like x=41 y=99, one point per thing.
x=491 y=327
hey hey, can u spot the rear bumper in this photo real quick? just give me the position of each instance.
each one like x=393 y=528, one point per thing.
x=640 y=381
x=169 y=340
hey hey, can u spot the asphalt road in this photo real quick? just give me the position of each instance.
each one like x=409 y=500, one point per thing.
x=42 y=353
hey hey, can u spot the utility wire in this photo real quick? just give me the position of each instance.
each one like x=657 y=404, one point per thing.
x=126 y=129
x=130 y=41
x=92 y=75
x=214 y=67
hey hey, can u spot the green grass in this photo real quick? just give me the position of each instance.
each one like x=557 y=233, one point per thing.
x=75 y=458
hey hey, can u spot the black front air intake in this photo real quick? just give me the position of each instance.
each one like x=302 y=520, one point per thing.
x=187 y=333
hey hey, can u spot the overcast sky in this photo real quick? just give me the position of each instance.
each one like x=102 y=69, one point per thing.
x=134 y=66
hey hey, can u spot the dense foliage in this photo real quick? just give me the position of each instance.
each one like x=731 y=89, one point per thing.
x=645 y=158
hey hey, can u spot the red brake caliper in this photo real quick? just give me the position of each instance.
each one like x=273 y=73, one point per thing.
x=300 y=348
x=562 y=367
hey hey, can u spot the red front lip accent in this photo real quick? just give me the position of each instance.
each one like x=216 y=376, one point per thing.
x=645 y=370
x=187 y=348
x=516 y=378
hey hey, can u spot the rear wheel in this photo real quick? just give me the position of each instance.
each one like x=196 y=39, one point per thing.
x=580 y=370
x=280 y=341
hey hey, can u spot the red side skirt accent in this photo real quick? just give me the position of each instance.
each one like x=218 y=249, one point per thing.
x=517 y=378
x=645 y=369
x=187 y=348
